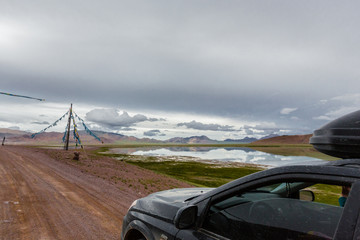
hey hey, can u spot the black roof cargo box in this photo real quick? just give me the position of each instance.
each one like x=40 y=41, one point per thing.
x=339 y=138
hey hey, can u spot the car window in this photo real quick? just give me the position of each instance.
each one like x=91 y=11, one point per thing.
x=326 y=193
x=276 y=212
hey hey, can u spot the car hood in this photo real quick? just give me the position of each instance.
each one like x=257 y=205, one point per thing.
x=165 y=204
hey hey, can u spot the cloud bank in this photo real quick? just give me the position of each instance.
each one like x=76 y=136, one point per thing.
x=152 y=133
x=293 y=63
x=207 y=127
x=112 y=118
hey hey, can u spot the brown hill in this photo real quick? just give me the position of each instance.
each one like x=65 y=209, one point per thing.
x=6 y=132
x=285 y=139
x=55 y=138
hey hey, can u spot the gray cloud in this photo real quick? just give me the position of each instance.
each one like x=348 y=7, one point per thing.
x=152 y=133
x=156 y=119
x=210 y=127
x=261 y=129
x=113 y=119
x=265 y=130
x=246 y=60
x=287 y=111
x=248 y=130
x=127 y=129
x=41 y=123
x=338 y=106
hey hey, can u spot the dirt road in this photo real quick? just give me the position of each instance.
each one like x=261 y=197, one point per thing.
x=46 y=195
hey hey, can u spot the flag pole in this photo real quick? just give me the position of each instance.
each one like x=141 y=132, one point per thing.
x=68 y=130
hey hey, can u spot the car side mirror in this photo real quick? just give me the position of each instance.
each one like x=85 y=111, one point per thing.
x=306 y=195
x=186 y=217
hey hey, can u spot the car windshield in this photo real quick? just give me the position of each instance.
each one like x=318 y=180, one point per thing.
x=268 y=188
x=283 y=187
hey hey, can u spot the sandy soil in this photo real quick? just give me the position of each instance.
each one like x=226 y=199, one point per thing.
x=44 y=194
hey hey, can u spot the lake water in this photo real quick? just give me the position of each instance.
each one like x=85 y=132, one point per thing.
x=238 y=154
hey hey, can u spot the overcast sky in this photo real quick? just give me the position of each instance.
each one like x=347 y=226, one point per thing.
x=225 y=69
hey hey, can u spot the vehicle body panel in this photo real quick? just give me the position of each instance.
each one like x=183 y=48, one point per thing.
x=157 y=211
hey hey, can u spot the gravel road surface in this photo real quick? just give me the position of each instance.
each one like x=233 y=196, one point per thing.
x=44 y=194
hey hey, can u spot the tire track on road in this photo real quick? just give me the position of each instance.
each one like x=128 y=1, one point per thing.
x=52 y=205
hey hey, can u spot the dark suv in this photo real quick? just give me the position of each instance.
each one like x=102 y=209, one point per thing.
x=290 y=202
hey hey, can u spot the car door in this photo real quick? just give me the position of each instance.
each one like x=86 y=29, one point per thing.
x=349 y=226
x=269 y=212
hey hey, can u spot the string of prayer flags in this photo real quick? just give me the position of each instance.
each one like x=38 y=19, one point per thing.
x=15 y=95
x=76 y=133
x=87 y=129
x=52 y=125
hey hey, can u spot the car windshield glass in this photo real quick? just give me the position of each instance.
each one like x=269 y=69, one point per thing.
x=268 y=188
x=282 y=187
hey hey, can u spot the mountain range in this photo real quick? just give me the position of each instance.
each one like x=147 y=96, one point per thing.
x=22 y=137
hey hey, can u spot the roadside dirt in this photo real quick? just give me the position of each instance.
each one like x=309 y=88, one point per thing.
x=44 y=194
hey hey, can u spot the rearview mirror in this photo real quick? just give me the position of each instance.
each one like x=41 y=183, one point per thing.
x=186 y=217
x=306 y=195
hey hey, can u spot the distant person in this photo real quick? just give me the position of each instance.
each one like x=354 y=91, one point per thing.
x=3 y=143
x=344 y=195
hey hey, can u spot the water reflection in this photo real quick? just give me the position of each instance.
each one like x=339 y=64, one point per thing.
x=238 y=154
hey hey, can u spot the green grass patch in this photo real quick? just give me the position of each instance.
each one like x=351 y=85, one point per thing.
x=209 y=175
x=197 y=173
x=325 y=193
